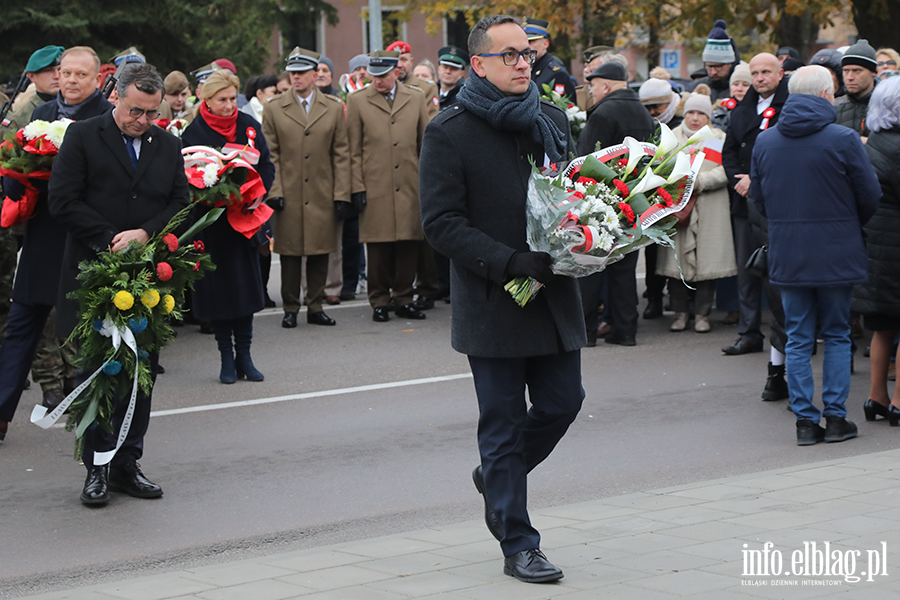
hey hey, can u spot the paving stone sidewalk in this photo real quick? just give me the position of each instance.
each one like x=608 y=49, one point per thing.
x=694 y=541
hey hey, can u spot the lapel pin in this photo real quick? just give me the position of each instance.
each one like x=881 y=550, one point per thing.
x=150 y=139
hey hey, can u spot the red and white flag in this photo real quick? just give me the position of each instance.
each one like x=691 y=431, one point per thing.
x=713 y=150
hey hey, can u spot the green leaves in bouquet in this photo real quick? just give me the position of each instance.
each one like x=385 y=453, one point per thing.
x=15 y=158
x=596 y=170
x=202 y=223
x=639 y=203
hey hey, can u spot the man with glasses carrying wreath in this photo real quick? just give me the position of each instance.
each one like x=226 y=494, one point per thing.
x=474 y=169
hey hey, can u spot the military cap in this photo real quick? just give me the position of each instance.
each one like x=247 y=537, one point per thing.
x=614 y=71
x=302 y=60
x=381 y=62
x=401 y=47
x=451 y=56
x=129 y=55
x=48 y=56
x=536 y=29
x=591 y=53
x=205 y=71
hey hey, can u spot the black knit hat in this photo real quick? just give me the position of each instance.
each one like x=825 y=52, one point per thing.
x=860 y=54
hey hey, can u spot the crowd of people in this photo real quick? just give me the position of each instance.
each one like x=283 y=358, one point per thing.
x=797 y=205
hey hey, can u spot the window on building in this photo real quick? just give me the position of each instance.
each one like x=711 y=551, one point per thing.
x=456 y=30
x=393 y=27
x=303 y=31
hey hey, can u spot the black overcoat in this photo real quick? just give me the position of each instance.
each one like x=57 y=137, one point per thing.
x=617 y=115
x=473 y=181
x=40 y=263
x=95 y=193
x=235 y=288
x=742 y=131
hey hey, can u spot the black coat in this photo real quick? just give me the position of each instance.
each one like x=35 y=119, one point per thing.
x=718 y=89
x=473 y=181
x=742 y=132
x=852 y=110
x=450 y=99
x=881 y=295
x=235 y=288
x=617 y=115
x=40 y=263
x=551 y=71
x=95 y=193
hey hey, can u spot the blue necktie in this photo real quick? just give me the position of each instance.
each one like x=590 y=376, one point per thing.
x=129 y=143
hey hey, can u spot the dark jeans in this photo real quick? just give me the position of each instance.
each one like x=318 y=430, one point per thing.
x=514 y=439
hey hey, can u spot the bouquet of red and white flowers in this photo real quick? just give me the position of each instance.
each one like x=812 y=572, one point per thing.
x=608 y=204
x=28 y=154
x=174 y=126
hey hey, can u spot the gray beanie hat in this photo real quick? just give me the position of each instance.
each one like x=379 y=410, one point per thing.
x=860 y=54
x=718 y=47
x=360 y=60
x=327 y=61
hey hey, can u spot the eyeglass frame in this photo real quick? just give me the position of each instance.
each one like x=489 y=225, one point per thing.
x=519 y=54
x=882 y=63
x=142 y=111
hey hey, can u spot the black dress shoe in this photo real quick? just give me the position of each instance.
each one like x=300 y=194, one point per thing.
x=743 y=346
x=317 y=318
x=206 y=327
x=381 y=314
x=531 y=566
x=490 y=517
x=52 y=398
x=159 y=369
x=809 y=433
x=269 y=302
x=654 y=309
x=347 y=295
x=776 y=386
x=409 y=311
x=96 y=489
x=4 y=426
x=129 y=479
x=620 y=340
x=289 y=321
x=838 y=429
x=423 y=303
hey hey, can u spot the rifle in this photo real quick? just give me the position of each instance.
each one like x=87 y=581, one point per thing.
x=7 y=106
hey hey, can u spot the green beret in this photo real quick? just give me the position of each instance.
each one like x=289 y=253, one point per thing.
x=48 y=56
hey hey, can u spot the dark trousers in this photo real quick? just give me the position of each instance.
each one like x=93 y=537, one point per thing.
x=96 y=439
x=623 y=296
x=25 y=325
x=443 y=273
x=749 y=286
x=426 y=273
x=514 y=439
x=391 y=271
x=656 y=284
x=351 y=251
x=592 y=288
x=316 y=274
x=704 y=294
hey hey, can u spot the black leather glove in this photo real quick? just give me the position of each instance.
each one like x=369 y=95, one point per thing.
x=344 y=210
x=531 y=264
x=358 y=200
x=277 y=203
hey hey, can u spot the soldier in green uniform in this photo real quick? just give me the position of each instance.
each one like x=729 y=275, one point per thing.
x=547 y=68
x=43 y=71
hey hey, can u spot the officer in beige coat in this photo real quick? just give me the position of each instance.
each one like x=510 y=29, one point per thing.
x=307 y=136
x=386 y=121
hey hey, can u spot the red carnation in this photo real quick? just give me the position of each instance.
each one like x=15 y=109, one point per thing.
x=171 y=242
x=162 y=123
x=197 y=266
x=578 y=195
x=623 y=189
x=164 y=271
x=665 y=196
x=623 y=162
x=627 y=211
x=198 y=246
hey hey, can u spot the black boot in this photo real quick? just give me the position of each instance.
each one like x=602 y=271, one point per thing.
x=265 y=266
x=243 y=336
x=222 y=330
x=776 y=386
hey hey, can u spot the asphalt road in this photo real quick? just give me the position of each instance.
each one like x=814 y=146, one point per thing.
x=304 y=469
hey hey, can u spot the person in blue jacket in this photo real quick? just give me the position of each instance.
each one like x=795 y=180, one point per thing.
x=814 y=182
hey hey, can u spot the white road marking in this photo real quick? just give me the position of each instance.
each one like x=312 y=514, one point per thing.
x=307 y=395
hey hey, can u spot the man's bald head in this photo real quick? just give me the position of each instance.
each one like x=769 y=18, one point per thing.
x=766 y=73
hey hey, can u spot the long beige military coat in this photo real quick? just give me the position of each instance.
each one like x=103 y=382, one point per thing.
x=311 y=153
x=432 y=95
x=384 y=161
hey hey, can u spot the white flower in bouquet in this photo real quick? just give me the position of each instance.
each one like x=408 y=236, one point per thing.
x=651 y=181
x=210 y=174
x=682 y=168
x=635 y=153
x=667 y=141
x=579 y=187
x=606 y=241
x=56 y=131
x=703 y=134
x=35 y=129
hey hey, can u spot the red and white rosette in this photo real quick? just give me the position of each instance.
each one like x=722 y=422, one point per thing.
x=767 y=115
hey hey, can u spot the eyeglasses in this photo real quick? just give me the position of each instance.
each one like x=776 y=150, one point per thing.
x=511 y=57
x=882 y=63
x=137 y=113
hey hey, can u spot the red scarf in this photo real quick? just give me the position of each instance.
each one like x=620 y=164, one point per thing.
x=226 y=126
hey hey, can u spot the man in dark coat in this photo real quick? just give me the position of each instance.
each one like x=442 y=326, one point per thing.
x=452 y=64
x=38 y=273
x=118 y=178
x=858 y=66
x=473 y=175
x=547 y=69
x=720 y=57
x=617 y=114
x=815 y=184
x=759 y=110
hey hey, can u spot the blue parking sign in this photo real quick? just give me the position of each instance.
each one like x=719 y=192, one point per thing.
x=671 y=59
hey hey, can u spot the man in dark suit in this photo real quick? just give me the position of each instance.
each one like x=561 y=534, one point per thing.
x=118 y=179
x=758 y=111
x=473 y=175
x=37 y=276
x=547 y=69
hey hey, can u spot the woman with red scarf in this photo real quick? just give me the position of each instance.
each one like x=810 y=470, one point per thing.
x=230 y=295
